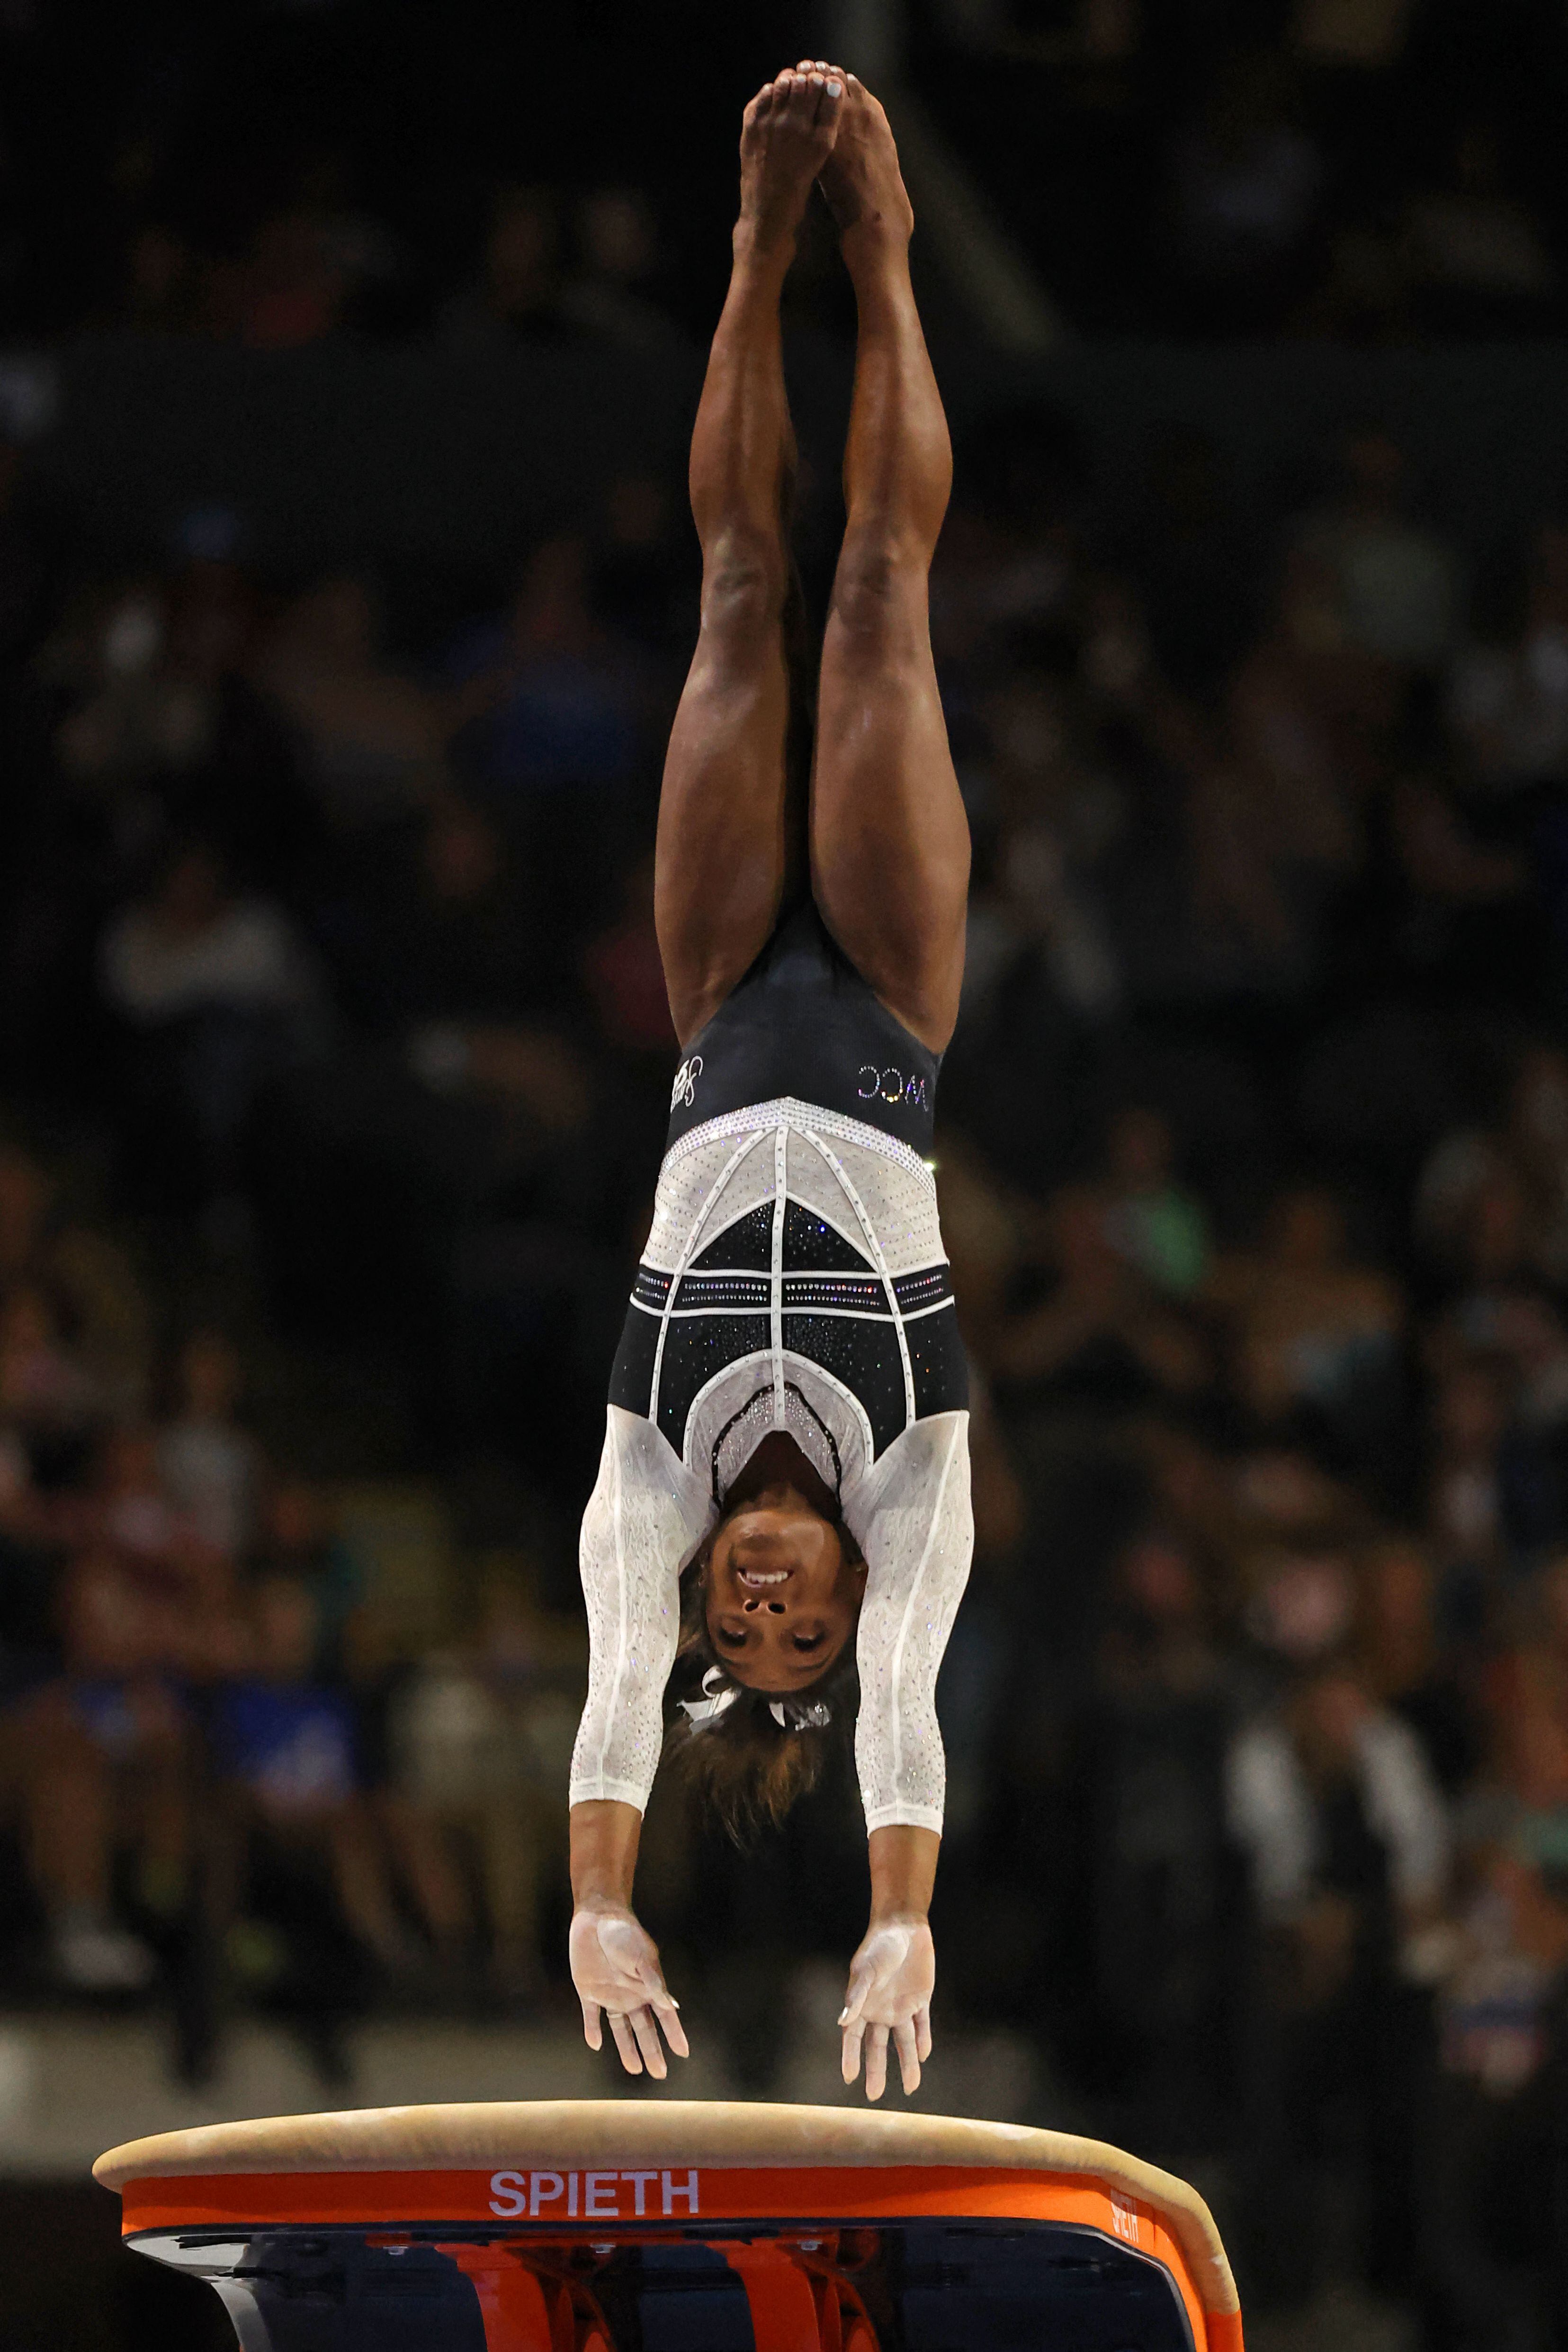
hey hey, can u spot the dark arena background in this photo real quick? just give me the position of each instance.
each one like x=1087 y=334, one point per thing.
x=348 y=357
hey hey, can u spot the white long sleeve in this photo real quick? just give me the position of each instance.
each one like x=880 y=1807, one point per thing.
x=646 y=1517
x=913 y=1520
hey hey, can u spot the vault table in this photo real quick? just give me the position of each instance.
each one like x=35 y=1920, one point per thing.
x=644 y=2225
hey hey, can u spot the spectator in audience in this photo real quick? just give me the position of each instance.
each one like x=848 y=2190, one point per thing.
x=1403 y=1663
x=106 y=1774
x=372 y=734
x=1346 y=1843
x=1394 y=582
x=1501 y=1306
x=1062 y=814
x=1493 y=1493
x=1493 y=2270
x=517 y=298
x=298 y=1538
x=449 y=928
x=162 y=730
x=185 y=1583
x=1102 y=1334
x=307 y=264
x=1151 y=1221
x=1292 y=727
x=210 y=1467
x=1247 y=188
x=48 y=1396
x=78 y=1264
x=1155 y=1739
x=617 y=252
x=1509 y=691
x=1314 y=1334
x=131 y=718
x=312 y=1900
x=216 y=995
x=1301 y=1601
x=1477 y=255
x=477 y=1739
x=545 y=698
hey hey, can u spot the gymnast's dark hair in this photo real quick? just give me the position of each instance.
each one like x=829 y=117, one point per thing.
x=743 y=1765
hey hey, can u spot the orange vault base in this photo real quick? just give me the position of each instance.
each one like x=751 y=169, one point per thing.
x=673 y=2226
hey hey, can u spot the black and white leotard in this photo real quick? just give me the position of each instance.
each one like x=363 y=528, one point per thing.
x=794 y=1279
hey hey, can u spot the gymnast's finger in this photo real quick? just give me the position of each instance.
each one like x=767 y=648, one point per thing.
x=853 y=2035
x=592 y=2032
x=862 y=1976
x=667 y=2011
x=649 y=2043
x=923 y=2031
x=908 y=2056
x=624 y=2043
x=655 y=1992
x=876 y=2062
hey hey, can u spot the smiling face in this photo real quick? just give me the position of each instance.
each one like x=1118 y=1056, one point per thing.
x=781 y=1594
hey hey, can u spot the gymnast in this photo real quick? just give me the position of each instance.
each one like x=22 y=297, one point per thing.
x=784 y=1491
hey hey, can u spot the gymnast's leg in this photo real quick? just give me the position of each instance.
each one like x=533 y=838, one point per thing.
x=889 y=839
x=731 y=830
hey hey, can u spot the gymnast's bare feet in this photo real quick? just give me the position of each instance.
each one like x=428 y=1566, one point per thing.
x=861 y=178
x=786 y=139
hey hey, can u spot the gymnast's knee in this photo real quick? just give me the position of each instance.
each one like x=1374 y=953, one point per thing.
x=745 y=584
x=879 y=589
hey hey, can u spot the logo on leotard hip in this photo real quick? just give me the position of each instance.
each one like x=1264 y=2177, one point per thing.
x=684 y=1089
x=890 y=1085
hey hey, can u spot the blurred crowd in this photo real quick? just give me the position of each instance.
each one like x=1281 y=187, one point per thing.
x=227 y=1772
x=1372 y=170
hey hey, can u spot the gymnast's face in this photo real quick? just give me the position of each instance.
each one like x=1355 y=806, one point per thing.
x=781 y=1596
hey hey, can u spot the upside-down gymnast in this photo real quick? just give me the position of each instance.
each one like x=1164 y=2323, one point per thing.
x=784 y=1491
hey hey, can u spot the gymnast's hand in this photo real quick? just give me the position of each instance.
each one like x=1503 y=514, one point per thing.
x=615 y=1967
x=891 y=1979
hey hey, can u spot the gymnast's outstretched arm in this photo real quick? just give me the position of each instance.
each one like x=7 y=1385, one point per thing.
x=918 y=1540
x=644 y=1519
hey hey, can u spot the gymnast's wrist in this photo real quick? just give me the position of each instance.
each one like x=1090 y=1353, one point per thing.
x=903 y=1874
x=602 y=1902
x=896 y=1915
x=604 y=1837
